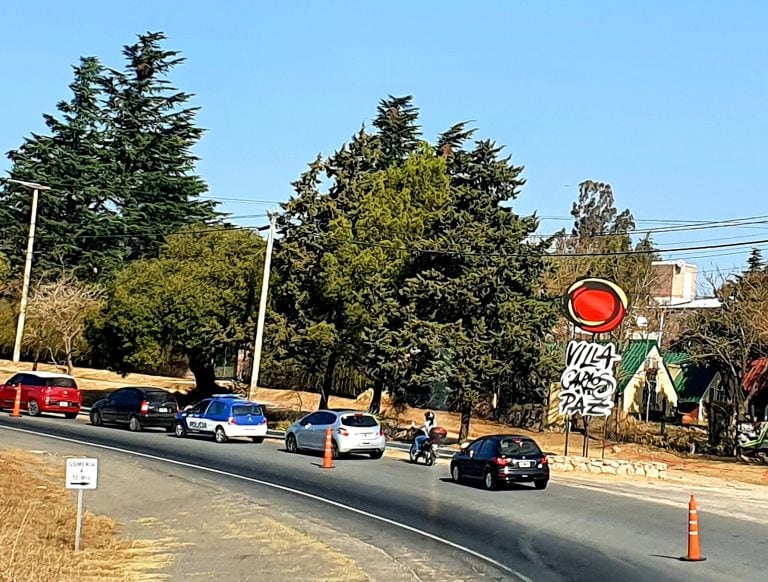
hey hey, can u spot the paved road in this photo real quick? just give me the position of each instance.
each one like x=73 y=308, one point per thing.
x=563 y=533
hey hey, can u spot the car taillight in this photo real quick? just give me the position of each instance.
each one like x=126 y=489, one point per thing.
x=144 y=406
x=232 y=420
x=500 y=461
x=544 y=460
x=342 y=431
x=381 y=431
x=262 y=420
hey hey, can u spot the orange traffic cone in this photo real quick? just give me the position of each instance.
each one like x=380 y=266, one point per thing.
x=694 y=548
x=328 y=453
x=17 y=402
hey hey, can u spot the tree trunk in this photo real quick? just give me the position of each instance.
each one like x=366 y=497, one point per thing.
x=325 y=389
x=70 y=365
x=375 y=406
x=205 y=377
x=466 y=416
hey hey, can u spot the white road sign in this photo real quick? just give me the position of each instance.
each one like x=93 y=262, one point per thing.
x=82 y=473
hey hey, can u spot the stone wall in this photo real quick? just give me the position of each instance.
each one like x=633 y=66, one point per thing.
x=648 y=469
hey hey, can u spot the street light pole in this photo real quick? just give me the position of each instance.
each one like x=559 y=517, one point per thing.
x=262 y=307
x=27 y=265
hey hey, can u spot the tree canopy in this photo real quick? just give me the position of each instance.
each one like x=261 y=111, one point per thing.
x=399 y=257
x=197 y=300
x=119 y=164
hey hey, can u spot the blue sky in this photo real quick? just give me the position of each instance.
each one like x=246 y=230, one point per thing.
x=664 y=100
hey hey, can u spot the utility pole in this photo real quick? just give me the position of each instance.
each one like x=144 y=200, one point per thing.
x=27 y=264
x=262 y=307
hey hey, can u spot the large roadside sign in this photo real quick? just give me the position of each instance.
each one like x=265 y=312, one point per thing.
x=82 y=473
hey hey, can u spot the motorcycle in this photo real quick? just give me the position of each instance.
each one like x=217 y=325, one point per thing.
x=425 y=446
x=753 y=445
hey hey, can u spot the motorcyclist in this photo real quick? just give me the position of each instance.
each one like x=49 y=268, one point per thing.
x=424 y=430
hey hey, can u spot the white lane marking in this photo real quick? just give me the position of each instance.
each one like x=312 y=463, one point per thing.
x=312 y=496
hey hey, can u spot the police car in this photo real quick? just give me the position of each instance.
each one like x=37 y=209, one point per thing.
x=223 y=416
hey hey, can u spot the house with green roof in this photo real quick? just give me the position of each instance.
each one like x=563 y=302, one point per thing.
x=696 y=385
x=645 y=381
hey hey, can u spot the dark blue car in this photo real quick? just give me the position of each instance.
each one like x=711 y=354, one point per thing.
x=223 y=416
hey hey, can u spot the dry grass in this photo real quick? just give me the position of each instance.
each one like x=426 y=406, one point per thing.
x=37 y=533
x=92 y=379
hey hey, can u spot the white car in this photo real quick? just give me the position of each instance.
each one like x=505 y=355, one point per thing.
x=352 y=431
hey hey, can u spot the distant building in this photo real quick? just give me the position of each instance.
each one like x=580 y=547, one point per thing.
x=674 y=285
x=674 y=281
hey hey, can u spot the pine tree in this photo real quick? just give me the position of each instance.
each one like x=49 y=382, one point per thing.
x=118 y=159
x=314 y=250
x=478 y=291
x=75 y=218
x=151 y=133
x=755 y=262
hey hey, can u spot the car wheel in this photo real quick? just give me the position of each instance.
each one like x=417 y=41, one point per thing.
x=70 y=415
x=96 y=418
x=377 y=454
x=258 y=439
x=541 y=483
x=33 y=408
x=456 y=473
x=179 y=430
x=220 y=435
x=489 y=481
x=290 y=444
x=134 y=424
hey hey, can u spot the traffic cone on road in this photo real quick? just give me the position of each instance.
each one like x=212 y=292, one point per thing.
x=328 y=453
x=694 y=547
x=17 y=402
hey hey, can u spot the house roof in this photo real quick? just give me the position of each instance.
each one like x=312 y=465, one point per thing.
x=692 y=381
x=675 y=357
x=631 y=360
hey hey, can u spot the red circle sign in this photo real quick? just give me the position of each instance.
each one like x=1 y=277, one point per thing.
x=596 y=305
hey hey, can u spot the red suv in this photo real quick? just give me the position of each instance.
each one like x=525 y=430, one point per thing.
x=43 y=392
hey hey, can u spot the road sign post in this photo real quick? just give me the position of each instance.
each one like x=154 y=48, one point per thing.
x=82 y=473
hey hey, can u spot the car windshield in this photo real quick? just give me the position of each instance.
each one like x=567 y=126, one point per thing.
x=358 y=420
x=60 y=383
x=512 y=447
x=246 y=409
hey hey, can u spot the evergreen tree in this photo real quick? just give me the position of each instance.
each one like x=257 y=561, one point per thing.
x=317 y=228
x=151 y=133
x=76 y=218
x=118 y=159
x=477 y=291
x=755 y=261
x=409 y=266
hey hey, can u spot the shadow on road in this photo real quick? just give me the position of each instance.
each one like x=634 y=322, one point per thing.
x=506 y=487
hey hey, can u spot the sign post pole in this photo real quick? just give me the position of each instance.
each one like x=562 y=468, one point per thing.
x=79 y=526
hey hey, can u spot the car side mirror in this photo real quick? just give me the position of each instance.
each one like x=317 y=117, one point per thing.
x=308 y=425
x=471 y=454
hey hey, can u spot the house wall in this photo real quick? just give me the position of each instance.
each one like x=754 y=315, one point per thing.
x=673 y=282
x=633 y=402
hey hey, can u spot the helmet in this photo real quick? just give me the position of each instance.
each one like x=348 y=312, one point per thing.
x=430 y=415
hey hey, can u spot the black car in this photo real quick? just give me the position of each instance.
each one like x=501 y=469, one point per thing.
x=138 y=408
x=497 y=459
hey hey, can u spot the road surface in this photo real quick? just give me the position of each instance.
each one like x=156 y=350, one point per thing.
x=562 y=533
